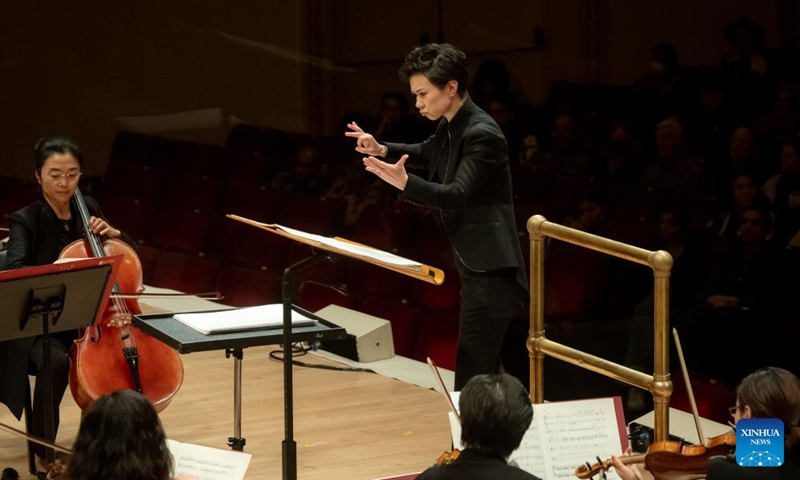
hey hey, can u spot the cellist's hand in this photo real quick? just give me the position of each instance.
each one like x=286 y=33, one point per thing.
x=624 y=471
x=101 y=227
x=119 y=319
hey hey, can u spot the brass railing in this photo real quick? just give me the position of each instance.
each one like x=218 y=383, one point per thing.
x=659 y=384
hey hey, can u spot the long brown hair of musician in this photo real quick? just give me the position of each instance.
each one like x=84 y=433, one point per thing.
x=773 y=392
x=120 y=437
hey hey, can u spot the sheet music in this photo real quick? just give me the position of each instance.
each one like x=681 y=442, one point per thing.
x=576 y=432
x=564 y=435
x=208 y=463
x=354 y=249
x=530 y=454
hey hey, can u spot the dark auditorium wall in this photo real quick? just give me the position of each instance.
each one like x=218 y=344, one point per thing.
x=73 y=67
x=300 y=65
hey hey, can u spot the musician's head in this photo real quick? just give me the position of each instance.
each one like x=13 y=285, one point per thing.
x=772 y=393
x=496 y=412
x=58 y=163
x=438 y=76
x=120 y=437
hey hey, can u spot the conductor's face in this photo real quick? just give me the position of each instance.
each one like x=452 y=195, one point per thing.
x=432 y=101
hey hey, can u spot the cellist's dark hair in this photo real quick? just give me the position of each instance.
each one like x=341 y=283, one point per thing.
x=496 y=412
x=47 y=146
x=439 y=63
x=120 y=437
x=773 y=392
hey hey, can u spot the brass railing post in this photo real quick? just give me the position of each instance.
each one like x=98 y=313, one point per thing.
x=659 y=384
x=537 y=309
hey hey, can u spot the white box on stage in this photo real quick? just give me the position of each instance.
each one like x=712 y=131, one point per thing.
x=368 y=338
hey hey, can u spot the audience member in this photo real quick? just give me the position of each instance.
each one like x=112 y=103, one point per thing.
x=747 y=286
x=396 y=124
x=687 y=279
x=745 y=69
x=496 y=412
x=306 y=175
x=359 y=189
x=591 y=212
x=672 y=177
x=655 y=91
x=491 y=78
x=744 y=194
x=783 y=190
x=622 y=160
x=503 y=109
x=566 y=157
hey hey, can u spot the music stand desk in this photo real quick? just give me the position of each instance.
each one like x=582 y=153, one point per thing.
x=185 y=339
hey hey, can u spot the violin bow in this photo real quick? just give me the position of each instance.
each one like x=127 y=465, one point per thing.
x=701 y=437
x=438 y=376
x=35 y=439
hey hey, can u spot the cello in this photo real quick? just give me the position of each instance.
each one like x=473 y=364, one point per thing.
x=115 y=355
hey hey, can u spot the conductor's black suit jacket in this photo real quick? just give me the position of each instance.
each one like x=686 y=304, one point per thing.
x=468 y=183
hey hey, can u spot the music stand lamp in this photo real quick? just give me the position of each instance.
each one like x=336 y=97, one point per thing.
x=54 y=298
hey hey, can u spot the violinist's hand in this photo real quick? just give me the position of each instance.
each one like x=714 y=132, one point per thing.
x=365 y=143
x=624 y=471
x=101 y=227
x=186 y=477
x=392 y=173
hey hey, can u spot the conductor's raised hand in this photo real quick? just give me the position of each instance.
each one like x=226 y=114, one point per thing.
x=365 y=143
x=392 y=173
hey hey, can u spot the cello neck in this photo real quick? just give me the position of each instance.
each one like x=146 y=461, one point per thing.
x=94 y=241
x=95 y=245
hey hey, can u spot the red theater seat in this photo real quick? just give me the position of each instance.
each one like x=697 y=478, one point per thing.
x=445 y=297
x=187 y=231
x=187 y=273
x=247 y=287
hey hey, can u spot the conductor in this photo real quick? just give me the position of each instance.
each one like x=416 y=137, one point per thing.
x=464 y=179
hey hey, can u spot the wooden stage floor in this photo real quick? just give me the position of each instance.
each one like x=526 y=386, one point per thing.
x=348 y=425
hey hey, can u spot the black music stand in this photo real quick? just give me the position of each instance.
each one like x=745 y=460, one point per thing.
x=183 y=338
x=322 y=249
x=64 y=296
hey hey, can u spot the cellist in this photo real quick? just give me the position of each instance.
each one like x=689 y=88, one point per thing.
x=38 y=233
x=767 y=393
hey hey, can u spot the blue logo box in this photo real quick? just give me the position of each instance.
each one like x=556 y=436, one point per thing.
x=759 y=442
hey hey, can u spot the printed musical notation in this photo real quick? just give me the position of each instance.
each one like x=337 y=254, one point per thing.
x=564 y=434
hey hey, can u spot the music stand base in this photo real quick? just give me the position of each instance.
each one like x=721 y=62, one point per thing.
x=289 y=460
x=237 y=443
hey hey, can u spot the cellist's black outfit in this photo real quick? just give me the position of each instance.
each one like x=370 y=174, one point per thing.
x=468 y=187
x=37 y=237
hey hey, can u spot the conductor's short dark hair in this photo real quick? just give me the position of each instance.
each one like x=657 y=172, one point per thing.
x=496 y=412
x=439 y=63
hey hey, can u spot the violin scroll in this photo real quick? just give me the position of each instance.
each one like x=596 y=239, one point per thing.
x=448 y=457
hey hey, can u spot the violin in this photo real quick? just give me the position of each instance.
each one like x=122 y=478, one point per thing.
x=114 y=355
x=448 y=457
x=671 y=460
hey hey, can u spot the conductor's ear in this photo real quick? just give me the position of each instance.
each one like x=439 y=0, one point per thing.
x=452 y=88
